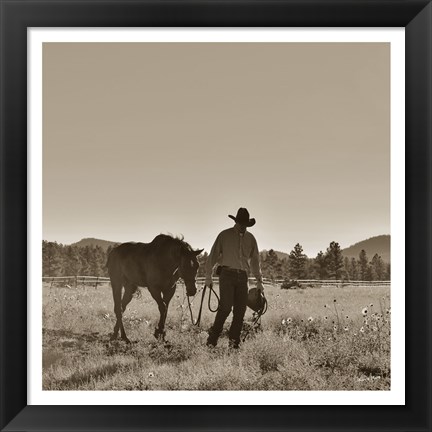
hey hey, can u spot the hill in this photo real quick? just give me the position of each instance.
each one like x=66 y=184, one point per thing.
x=379 y=244
x=280 y=255
x=375 y=245
x=104 y=244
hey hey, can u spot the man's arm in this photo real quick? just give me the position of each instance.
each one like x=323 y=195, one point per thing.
x=255 y=265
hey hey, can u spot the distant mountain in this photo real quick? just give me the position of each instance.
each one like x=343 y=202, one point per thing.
x=375 y=245
x=104 y=244
x=379 y=244
x=280 y=255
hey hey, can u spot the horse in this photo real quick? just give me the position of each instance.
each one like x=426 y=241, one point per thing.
x=156 y=265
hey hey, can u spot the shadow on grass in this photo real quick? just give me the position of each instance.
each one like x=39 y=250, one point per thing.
x=80 y=378
x=67 y=338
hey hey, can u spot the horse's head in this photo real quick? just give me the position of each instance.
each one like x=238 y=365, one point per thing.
x=188 y=270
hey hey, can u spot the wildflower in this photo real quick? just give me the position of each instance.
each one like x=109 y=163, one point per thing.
x=346 y=328
x=151 y=374
x=289 y=320
x=346 y=316
x=364 y=311
x=362 y=330
x=334 y=301
x=310 y=319
x=325 y=305
x=371 y=305
x=326 y=318
x=283 y=322
x=334 y=328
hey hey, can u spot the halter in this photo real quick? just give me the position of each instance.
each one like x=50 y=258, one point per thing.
x=176 y=275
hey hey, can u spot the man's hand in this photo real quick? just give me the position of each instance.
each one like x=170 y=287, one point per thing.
x=260 y=287
x=209 y=282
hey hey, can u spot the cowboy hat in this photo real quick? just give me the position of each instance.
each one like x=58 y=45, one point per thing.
x=256 y=300
x=242 y=217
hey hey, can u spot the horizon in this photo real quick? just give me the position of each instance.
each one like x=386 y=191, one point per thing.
x=148 y=138
x=208 y=250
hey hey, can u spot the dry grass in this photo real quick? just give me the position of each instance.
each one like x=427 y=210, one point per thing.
x=308 y=341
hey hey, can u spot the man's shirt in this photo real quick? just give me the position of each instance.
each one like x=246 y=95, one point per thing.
x=236 y=250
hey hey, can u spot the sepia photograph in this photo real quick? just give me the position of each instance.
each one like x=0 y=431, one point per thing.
x=216 y=216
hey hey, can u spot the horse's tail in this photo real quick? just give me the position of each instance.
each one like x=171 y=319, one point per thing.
x=112 y=260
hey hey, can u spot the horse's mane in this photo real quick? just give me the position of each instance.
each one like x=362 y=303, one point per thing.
x=162 y=239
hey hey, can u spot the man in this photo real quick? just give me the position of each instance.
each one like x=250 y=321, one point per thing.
x=236 y=252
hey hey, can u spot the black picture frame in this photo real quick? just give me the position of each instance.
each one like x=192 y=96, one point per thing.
x=16 y=16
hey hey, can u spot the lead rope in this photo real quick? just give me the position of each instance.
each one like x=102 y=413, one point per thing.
x=198 y=320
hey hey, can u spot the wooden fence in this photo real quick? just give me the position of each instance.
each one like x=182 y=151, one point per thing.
x=75 y=281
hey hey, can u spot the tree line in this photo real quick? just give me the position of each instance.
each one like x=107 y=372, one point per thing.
x=331 y=265
x=64 y=260
x=61 y=260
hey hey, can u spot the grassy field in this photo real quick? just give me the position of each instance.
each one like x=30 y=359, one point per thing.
x=310 y=339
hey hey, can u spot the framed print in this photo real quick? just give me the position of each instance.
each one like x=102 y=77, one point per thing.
x=133 y=132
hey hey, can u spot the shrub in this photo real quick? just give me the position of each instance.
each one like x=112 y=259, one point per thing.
x=290 y=284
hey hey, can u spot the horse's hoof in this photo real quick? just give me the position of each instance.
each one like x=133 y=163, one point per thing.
x=159 y=335
x=125 y=339
x=113 y=337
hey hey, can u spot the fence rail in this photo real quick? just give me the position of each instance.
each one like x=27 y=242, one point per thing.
x=100 y=280
x=76 y=280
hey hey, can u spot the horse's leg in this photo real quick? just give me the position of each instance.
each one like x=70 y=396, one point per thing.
x=128 y=294
x=157 y=295
x=117 y=294
x=127 y=297
x=167 y=295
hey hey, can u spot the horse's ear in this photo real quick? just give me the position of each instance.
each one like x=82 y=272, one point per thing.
x=197 y=252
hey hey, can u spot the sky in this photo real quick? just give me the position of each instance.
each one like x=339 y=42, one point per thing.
x=148 y=138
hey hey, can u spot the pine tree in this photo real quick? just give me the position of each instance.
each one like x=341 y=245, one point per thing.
x=52 y=258
x=271 y=265
x=310 y=268
x=321 y=265
x=363 y=264
x=297 y=262
x=378 y=268
x=86 y=258
x=347 y=268
x=387 y=274
x=354 y=271
x=334 y=260
x=72 y=262
x=97 y=261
